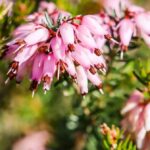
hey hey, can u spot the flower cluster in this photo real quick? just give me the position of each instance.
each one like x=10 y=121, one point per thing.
x=53 y=43
x=130 y=21
x=137 y=120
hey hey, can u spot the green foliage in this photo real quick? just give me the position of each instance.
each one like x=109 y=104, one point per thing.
x=22 y=9
x=126 y=144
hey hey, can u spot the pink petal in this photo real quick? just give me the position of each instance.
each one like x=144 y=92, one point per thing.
x=93 y=25
x=80 y=56
x=67 y=33
x=143 y=22
x=37 y=68
x=82 y=80
x=40 y=35
x=49 y=67
x=25 y=54
x=95 y=79
x=140 y=138
x=126 y=31
x=147 y=117
x=24 y=29
x=133 y=101
x=146 y=38
x=58 y=48
x=70 y=66
x=85 y=37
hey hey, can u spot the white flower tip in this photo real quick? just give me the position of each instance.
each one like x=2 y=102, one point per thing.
x=8 y=71
x=147 y=123
x=121 y=55
x=114 y=41
x=33 y=93
x=140 y=138
x=123 y=112
x=101 y=91
x=103 y=71
x=7 y=80
x=128 y=108
x=147 y=127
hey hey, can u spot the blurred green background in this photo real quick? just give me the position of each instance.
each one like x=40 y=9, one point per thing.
x=71 y=120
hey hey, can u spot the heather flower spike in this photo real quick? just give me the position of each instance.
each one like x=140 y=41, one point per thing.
x=136 y=118
x=45 y=50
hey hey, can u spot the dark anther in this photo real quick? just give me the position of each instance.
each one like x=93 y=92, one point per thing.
x=44 y=49
x=124 y=48
x=92 y=70
x=46 y=79
x=100 y=86
x=97 y=52
x=84 y=94
x=52 y=33
x=14 y=65
x=63 y=66
x=76 y=63
x=71 y=47
x=108 y=36
x=34 y=85
x=99 y=66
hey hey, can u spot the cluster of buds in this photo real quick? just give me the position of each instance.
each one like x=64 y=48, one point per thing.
x=112 y=134
x=137 y=119
x=130 y=21
x=53 y=43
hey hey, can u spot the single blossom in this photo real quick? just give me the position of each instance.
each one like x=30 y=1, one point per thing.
x=58 y=48
x=82 y=80
x=141 y=20
x=67 y=33
x=126 y=30
x=85 y=37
